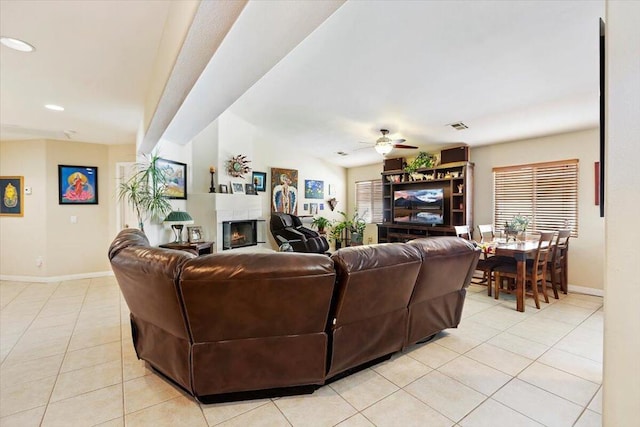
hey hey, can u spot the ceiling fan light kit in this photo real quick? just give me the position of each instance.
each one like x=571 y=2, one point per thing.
x=384 y=144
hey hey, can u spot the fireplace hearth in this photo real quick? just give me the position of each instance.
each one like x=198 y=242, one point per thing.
x=238 y=234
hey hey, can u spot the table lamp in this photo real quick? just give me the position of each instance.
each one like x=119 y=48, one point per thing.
x=177 y=221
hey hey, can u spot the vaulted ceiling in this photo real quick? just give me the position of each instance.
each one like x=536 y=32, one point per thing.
x=508 y=70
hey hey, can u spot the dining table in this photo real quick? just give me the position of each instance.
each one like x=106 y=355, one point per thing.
x=519 y=250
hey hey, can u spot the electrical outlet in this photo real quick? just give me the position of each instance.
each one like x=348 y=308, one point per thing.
x=369 y=240
x=39 y=262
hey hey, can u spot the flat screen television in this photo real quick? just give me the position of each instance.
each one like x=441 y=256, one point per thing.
x=419 y=206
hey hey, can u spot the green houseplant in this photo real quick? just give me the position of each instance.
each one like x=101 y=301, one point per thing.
x=321 y=223
x=144 y=191
x=422 y=160
x=517 y=226
x=354 y=225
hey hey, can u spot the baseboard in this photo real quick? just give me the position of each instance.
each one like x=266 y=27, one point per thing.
x=586 y=291
x=51 y=279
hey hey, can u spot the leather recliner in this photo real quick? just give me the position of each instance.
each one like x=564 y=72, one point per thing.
x=286 y=228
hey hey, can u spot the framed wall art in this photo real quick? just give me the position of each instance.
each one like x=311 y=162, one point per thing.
x=176 y=174
x=284 y=190
x=12 y=188
x=237 y=188
x=224 y=188
x=77 y=185
x=259 y=180
x=250 y=189
x=313 y=189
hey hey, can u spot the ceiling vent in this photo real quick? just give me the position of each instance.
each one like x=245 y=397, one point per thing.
x=459 y=126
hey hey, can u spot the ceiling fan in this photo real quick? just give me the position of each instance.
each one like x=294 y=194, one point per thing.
x=384 y=144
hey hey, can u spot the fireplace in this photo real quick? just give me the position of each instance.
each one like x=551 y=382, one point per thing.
x=238 y=234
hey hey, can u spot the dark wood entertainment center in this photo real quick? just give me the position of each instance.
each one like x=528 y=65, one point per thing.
x=456 y=181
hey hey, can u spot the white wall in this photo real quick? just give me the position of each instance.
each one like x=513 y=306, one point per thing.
x=230 y=136
x=621 y=397
x=586 y=268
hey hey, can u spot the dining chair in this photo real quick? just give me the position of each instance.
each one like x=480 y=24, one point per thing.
x=557 y=265
x=485 y=264
x=486 y=230
x=463 y=231
x=536 y=270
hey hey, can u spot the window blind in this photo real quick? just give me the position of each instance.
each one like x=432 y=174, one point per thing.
x=369 y=200
x=546 y=193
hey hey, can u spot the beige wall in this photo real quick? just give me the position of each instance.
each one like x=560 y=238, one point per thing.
x=46 y=231
x=363 y=173
x=23 y=239
x=621 y=404
x=587 y=250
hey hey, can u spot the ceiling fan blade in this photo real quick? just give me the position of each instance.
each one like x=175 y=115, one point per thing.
x=404 y=146
x=364 y=142
x=398 y=141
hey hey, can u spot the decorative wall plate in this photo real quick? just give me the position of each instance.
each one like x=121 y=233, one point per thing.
x=238 y=166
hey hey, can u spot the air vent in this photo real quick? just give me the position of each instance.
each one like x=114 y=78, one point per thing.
x=459 y=126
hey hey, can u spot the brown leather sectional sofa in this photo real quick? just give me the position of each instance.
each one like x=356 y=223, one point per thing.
x=223 y=325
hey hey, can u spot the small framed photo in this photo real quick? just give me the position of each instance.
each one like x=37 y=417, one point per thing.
x=194 y=234
x=250 y=189
x=224 y=188
x=176 y=173
x=12 y=189
x=259 y=180
x=237 y=188
x=305 y=207
x=77 y=185
x=313 y=208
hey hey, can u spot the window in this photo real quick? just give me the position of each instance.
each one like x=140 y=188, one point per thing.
x=547 y=193
x=369 y=200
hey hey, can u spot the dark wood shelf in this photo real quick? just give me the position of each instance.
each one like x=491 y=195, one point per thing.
x=393 y=232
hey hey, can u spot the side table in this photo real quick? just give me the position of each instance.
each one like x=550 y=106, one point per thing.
x=202 y=248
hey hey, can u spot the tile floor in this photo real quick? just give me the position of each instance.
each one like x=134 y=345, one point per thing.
x=67 y=360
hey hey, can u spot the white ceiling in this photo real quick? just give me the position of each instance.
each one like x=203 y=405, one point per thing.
x=94 y=58
x=509 y=70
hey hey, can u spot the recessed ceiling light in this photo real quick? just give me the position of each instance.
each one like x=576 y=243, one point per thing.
x=17 y=44
x=54 y=107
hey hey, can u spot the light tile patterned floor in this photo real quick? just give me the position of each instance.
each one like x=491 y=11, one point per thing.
x=67 y=360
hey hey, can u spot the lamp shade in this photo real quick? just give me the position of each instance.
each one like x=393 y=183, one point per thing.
x=384 y=147
x=178 y=217
x=177 y=221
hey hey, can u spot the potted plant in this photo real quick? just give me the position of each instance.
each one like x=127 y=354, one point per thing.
x=320 y=223
x=422 y=160
x=354 y=225
x=145 y=191
x=516 y=227
x=337 y=229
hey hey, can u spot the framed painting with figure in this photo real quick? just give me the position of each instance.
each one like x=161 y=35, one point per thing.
x=259 y=180
x=77 y=185
x=194 y=234
x=284 y=190
x=12 y=196
x=176 y=174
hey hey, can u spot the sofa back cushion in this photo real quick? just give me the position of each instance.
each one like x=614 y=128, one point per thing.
x=147 y=277
x=448 y=265
x=373 y=280
x=253 y=295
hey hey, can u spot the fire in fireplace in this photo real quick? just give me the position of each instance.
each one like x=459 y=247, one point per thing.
x=238 y=234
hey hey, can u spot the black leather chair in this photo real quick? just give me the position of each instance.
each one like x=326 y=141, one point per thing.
x=287 y=228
